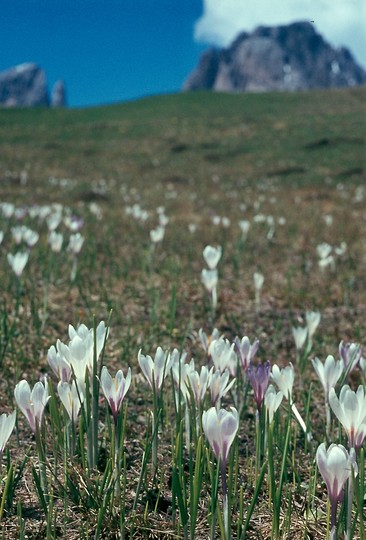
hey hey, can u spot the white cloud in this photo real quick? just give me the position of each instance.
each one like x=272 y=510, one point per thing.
x=341 y=22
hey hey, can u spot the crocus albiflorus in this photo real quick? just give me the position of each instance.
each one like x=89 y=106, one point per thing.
x=220 y=428
x=258 y=280
x=206 y=340
x=115 y=389
x=223 y=355
x=58 y=363
x=350 y=409
x=259 y=379
x=350 y=354
x=328 y=374
x=246 y=351
x=219 y=386
x=157 y=235
x=198 y=383
x=32 y=403
x=272 y=400
x=284 y=378
x=76 y=242
x=155 y=370
x=312 y=322
x=210 y=279
x=55 y=240
x=18 y=262
x=335 y=466
x=299 y=334
x=7 y=423
x=70 y=398
x=212 y=255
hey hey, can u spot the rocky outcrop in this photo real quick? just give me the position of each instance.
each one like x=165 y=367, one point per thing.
x=58 y=97
x=289 y=57
x=23 y=86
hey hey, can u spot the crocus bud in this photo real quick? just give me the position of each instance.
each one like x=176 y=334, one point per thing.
x=69 y=397
x=246 y=350
x=259 y=379
x=272 y=400
x=32 y=403
x=350 y=354
x=300 y=334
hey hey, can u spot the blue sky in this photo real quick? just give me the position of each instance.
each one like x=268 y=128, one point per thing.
x=115 y=50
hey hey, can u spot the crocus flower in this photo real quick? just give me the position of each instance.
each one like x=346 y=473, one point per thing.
x=284 y=378
x=58 y=363
x=223 y=355
x=219 y=385
x=212 y=255
x=18 y=262
x=350 y=409
x=300 y=334
x=32 y=403
x=328 y=373
x=259 y=379
x=198 y=383
x=155 y=370
x=209 y=279
x=7 y=423
x=258 y=280
x=220 y=428
x=69 y=397
x=272 y=400
x=312 y=322
x=350 y=354
x=115 y=389
x=206 y=340
x=157 y=235
x=75 y=243
x=55 y=240
x=246 y=350
x=335 y=466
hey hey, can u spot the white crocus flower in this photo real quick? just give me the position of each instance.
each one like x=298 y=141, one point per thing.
x=299 y=334
x=284 y=378
x=155 y=370
x=212 y=255
x=32 y=402
x=115 y=389
x=69 y=396
x=7 y=424
x=312 y=322
x=350 y=409
x=55 y=240
x=272 y=400
x=18 y=262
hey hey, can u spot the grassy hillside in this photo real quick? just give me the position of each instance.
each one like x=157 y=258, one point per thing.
x=300 y=138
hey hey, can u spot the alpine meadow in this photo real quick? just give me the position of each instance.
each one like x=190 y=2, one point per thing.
x=182 y=318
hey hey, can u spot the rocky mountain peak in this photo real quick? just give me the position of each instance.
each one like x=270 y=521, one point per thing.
x=287 y=57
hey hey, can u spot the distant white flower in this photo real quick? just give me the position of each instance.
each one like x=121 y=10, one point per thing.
x=341 y=249
x=212 y=255
x=7 y=424
x=244 y=226
x=209 y=279
x=323 y=250
x=157 y=235
x=300 y=334
x=258 y=280
x=18 y=262
x=55 y=240
x=312 y=322
x=75 y=243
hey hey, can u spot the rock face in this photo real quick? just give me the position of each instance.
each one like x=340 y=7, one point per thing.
x=23 y=86
x=290 y=57
x=58 y=97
